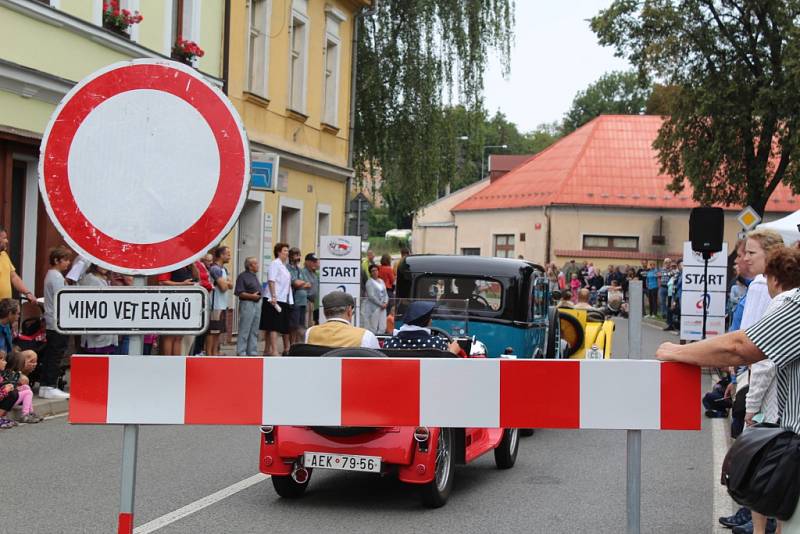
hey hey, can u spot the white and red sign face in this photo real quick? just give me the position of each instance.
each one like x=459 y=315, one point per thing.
x=144 y=166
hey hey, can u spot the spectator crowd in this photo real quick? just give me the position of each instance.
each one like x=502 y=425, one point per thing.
x=581 y=284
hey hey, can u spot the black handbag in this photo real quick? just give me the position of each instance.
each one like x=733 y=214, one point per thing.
x=762 y=471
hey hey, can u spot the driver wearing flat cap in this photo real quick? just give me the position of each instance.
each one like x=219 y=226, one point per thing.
x=337 y=331
x=416 y=332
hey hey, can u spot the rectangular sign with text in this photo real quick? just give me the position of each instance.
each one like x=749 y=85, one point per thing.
x=340 y=272
x=694 y=279
x=340 y=268
x=124 y=310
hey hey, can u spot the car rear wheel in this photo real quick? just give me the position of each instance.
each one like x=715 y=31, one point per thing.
x=506 y=453
x=434 y=493
x=286 y=487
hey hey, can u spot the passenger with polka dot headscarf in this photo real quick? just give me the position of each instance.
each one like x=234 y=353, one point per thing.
x=416 y=333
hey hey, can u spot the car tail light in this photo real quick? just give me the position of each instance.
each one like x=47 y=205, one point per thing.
x=422 y=434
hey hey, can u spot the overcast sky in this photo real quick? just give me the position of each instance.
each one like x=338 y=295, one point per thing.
x=555 y=55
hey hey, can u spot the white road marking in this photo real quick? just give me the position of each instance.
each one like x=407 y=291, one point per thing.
x=722 y=503
x=196 y=506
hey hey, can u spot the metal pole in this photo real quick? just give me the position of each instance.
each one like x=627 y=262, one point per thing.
x=130 y=444
x=633 y=486
x=635 y=311
x=634 y=482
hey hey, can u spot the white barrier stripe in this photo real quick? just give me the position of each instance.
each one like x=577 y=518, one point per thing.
x=149 y=390
x=454 y=395
x=302 y=391
x=613 y=399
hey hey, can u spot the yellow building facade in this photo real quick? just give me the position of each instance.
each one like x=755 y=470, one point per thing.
x=289 y=76
x=48 y=46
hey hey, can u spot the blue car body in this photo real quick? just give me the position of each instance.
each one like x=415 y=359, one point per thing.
x=506 y=300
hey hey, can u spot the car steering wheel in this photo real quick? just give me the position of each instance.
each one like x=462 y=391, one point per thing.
x=482 y=300
x=442 y=332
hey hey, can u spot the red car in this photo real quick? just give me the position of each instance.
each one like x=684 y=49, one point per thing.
x=424 y=456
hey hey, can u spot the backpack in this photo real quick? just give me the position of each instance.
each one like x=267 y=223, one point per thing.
x=762 y=471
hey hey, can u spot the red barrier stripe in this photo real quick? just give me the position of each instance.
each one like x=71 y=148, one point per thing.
x=538 y=395
x=88 y=401
x=680 y=396
x=125 y=523
x=380 y=392
x=224 y=391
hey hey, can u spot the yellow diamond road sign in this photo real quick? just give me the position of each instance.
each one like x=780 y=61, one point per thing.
x=748 y=218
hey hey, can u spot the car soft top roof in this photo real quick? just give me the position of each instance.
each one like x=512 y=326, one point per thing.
x=469 y=265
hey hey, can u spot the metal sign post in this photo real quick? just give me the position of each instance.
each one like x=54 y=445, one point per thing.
x=184 y=143
x=130 y=446
x=633 y=486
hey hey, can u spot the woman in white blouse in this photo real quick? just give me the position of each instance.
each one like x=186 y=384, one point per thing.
x=376 y=303
x=276 y=302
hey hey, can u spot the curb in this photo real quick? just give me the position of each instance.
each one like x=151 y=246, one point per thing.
x=44 y=408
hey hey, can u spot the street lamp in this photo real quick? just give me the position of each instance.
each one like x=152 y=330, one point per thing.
x=483 y=155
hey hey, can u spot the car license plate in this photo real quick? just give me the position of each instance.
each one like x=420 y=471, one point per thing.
x=343 y=462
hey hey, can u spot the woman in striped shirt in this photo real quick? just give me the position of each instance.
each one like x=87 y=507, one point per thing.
x=776 y=337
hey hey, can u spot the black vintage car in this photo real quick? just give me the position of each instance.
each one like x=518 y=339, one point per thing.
x=507 y=301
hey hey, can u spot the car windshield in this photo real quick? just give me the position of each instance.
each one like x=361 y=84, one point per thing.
x=449 y=315
x=481 y=294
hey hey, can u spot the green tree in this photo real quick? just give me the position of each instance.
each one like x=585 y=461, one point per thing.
x=462 y=157
x=732 y=131
x=620 y=93
x=413 y=55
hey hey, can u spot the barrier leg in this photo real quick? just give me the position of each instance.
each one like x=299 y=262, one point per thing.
x=130 y=439
x=634 y=437
x=634 y=481
x=130 y=445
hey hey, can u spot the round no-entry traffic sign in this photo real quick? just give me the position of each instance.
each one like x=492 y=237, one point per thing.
x=144 y=166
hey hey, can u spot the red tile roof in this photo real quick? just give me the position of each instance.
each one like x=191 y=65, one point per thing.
x=607 y=162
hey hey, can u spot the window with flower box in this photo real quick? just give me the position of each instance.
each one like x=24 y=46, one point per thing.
x=184 y=31
x=122 y=17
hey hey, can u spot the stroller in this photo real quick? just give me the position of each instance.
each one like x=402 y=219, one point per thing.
x=31 y=335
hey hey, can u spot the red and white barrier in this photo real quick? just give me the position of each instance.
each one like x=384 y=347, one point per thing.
x=608 y=394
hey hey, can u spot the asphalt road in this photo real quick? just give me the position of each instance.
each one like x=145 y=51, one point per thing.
x=60 y=478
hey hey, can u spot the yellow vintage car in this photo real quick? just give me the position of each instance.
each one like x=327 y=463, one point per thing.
x=588 y=333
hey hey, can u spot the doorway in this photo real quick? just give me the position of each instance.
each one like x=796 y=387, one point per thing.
x=323 y=225
x=290 y=224
x=248 y=244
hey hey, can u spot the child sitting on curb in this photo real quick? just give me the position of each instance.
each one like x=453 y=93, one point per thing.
x=8 y=396
x=12 y=374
